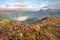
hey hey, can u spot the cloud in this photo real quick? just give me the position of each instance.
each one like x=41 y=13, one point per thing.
x=18 y=7
x=53 y=0
x=21 y=5
x=53 y=5
x=21 y=18
x=20 y=0
x=15 y=5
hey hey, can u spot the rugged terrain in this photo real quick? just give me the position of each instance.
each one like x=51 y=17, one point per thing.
x=45 y=29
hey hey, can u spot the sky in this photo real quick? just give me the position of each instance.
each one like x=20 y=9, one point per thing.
x=33 y=5
x=28 y=5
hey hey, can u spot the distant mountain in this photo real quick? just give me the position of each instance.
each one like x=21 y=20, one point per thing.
x=31 y=14
x=41 y=14
x=54 y=12
x=30 y=20
x=49 y=12
x=13 y=15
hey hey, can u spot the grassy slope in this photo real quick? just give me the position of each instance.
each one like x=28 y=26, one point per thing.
x=45 y=29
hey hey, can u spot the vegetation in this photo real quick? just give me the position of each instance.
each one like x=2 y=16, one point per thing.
x=48 y=29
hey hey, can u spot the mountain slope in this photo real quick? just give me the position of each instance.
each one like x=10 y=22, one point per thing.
x=49 y=20
x=50 y=26
x=45 y=29
x=49 y=12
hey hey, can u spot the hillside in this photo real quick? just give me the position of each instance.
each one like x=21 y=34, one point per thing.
x=45 y=29
x=49 y=21
x=50 y=26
